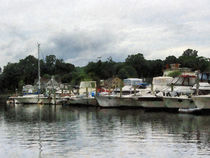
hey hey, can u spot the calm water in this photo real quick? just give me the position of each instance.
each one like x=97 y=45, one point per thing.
x=47 y=131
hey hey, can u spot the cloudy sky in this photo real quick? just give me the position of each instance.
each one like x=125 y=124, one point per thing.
x=80 y=31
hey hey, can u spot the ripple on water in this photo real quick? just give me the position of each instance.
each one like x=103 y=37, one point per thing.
x=48 y=131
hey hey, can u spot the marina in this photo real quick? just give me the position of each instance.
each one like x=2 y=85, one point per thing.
x=104 y=79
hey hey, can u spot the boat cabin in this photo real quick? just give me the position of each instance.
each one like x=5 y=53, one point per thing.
x=87 y=86
x=160 y=83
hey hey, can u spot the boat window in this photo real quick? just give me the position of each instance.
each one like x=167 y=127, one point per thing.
x=136 y=82
x=127 y=82
x=177 y=81
x=204 y=77
x=131 y=82
x=189 y=81
x=200 y=76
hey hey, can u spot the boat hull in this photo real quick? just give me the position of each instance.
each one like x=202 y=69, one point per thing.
x=116 y=101
x=151 y=102
x=132 y=101
x=178 y=102
x=36 y=100
x=82 y=101
x=202 y=101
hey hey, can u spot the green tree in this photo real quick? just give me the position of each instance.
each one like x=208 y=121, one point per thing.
x=127 y=71
x=170 y=60
x=138 y=62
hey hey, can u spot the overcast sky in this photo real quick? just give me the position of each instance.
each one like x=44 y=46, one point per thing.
x=80 y=31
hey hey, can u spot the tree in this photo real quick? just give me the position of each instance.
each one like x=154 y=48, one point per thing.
x=138 y=62
x=127 y=71
x=170 y=60
x=190 y=52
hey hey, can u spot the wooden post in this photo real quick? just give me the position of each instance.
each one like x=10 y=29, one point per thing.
x=197 y=83
x=96 y=91
x=152 y=88
x=172 y=87
x=120 y=91
x=86 y=91
x=54 y=96
x=69 y=90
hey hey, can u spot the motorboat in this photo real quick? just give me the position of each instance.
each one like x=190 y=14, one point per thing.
x=180 y=92
x=86 y=96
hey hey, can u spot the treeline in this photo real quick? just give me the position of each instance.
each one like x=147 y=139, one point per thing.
x=15 y=75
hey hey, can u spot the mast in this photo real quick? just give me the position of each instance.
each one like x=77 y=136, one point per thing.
x=39 y=87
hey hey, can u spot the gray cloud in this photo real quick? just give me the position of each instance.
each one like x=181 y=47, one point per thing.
x=80 y=30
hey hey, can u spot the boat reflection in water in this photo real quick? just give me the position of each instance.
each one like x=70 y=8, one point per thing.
x=65 y=131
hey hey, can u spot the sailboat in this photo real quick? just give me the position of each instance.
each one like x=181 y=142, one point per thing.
x=37 y=98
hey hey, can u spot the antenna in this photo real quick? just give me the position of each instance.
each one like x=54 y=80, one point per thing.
x=39 y=87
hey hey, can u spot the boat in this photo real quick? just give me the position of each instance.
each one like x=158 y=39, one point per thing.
x=86 y=96
x=134 y=93
x=153 y=99
x=33 y=95
x=179 y=95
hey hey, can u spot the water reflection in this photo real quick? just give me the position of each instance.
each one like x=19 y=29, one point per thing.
x=56 y=131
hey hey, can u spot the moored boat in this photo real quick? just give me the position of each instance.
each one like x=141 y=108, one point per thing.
x=86 y=96
x=179 y=95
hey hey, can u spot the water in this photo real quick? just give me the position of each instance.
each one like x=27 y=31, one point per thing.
x=58 y=132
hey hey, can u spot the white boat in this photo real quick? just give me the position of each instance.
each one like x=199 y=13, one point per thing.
x=202 y=101
x=178 y=96
x=159 y=85
x=32 y=96
x=134 y=94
